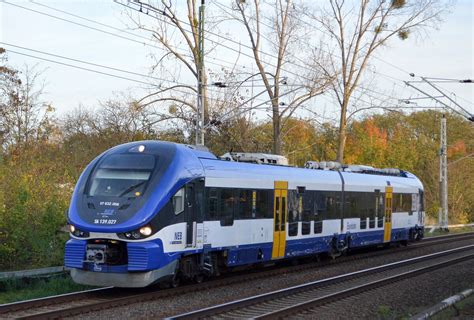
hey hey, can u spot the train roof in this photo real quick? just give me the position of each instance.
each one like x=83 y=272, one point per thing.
x=225 y=173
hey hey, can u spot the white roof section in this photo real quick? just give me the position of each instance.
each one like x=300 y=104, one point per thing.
x=220 y=173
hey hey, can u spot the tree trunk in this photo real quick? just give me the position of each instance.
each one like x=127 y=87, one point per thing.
x=342 y=131
x=276 y=128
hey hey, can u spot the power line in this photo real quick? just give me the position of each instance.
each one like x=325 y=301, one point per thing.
x=135 y=35
x=126 y=38
x=221 y=6
x=466 y=114
x=138 y=81
x=117 y=29
x=124 y=31
x=451 y=92
x=78 y=67
x=375 y=57
x=217 y=42
x=224 y=7
x=94 y=71
x=103 y=31
x=94 y=64
x=155 y=10
x=258 y=105
x=107 y=26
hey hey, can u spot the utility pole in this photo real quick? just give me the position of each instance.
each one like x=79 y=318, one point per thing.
x=200 y=129
x=146 y=8
x=443 y=177
x=443 y=159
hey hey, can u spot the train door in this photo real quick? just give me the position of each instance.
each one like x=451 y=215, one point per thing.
x=193 y=210
x=279 y=219
x=387 y=235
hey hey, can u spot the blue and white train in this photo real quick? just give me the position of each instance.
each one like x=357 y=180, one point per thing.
x=152 y=211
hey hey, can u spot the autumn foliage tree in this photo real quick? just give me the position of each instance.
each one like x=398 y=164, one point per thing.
x=37 y=175
x=358 y=29
x=411 y=142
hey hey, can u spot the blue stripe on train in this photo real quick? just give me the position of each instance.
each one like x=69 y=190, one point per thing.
x=262 y=252
x=145 y=256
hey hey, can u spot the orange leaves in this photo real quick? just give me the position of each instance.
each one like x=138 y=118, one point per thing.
x=377 y=136
x=367 y=143
x=457 y=149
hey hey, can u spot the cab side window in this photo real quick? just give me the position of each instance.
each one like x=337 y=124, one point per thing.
x=178 y=201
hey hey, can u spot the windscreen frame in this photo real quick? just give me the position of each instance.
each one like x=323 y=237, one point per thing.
x=109 y=162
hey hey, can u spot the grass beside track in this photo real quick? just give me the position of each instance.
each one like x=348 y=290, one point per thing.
x=464 y=309
x=438 y=232
x=14 y=290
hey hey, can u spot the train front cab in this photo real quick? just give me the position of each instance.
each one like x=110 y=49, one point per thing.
x=148 y=261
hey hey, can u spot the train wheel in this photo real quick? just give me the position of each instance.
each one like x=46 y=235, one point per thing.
x=199 y=278
x=175 y=281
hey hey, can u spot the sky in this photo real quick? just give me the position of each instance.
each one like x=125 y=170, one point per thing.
x=445 y=53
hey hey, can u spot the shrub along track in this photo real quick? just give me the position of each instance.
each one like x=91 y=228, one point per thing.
x=105 y=298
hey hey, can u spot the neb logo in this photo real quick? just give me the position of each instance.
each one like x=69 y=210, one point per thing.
x=178 y=235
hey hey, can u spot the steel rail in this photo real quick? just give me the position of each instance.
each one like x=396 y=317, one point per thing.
x=33 y=273
x=361 y=288
x=46 y=301
x=242 y=304
x=107 y=297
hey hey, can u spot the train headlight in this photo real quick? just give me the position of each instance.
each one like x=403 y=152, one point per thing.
x=138 y=234
x=145 y=231
x=78 y=233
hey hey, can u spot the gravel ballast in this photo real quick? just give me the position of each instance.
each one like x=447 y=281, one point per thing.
x=373 y=305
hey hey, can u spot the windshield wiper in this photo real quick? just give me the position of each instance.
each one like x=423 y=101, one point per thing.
x=132 y=187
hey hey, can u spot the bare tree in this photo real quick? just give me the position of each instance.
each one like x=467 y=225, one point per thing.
x=24 y=116
x=171 y=30
x=358 y=30
x=285 y=38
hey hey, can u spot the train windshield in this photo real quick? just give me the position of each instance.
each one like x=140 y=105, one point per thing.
x=122 y=175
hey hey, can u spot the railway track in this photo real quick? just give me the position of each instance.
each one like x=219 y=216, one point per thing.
x=104 y=298
x=291 y=301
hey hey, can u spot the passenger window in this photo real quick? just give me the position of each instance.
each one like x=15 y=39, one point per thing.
x=178 y=201
x=306 y=224
x=407 y=203
x=363 y=223
x=372 y=222
x=213 y=204
x=422 y=200
x=227 y=207
x=254 y=204
x=245 y=204
x=293 y=212
x=381 y=210
x=283 y=213
x=264 y=203
x=318 y=227
x=277 y=214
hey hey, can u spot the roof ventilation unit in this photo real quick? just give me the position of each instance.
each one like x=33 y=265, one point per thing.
x=260 y=158
x=323 y=165
x=358 y=168
x=311 y=165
